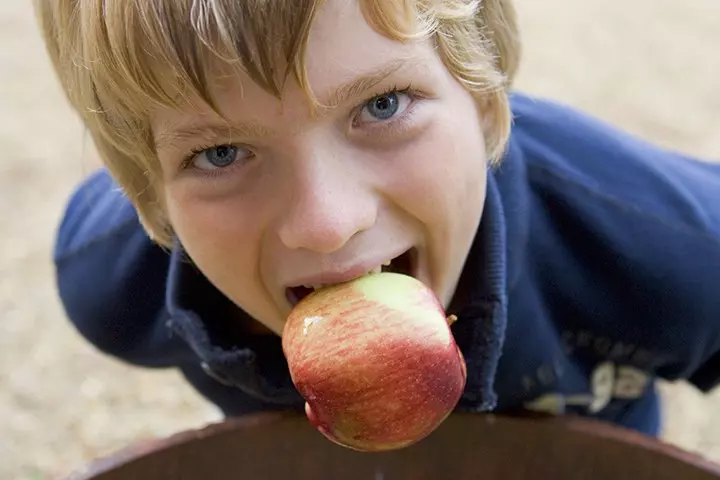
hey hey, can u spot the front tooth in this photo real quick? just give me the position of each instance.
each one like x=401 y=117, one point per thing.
x=377 y=269
x=386 y=264
x=316 y=287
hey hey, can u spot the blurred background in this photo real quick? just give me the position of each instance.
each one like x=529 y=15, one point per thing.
x=649 y=66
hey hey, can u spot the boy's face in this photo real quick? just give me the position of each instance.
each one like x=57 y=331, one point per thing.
x=288 y=199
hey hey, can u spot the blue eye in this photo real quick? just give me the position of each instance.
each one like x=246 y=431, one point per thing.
x=384 y=107
x=220 y=156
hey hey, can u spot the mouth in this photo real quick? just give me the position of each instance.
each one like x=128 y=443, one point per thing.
x=405 y=264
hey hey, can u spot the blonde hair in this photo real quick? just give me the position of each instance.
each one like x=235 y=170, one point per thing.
x=118 y=59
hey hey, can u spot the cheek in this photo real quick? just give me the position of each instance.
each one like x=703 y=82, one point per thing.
x=221 y=237
x=442 y=173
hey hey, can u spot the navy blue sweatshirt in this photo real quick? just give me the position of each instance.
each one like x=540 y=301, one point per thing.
x=595 y=271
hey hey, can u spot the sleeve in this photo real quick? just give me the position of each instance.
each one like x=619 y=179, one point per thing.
x=111 y=280
x=675 y=242
x=111 y=277
x=644 y=223
x=692 y=214
x=707 y=377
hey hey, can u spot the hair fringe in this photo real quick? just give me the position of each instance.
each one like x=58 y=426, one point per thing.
x=118 y=60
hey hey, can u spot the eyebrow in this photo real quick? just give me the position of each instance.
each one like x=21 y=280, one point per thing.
x=364 y=82
x=209 y=131
x=340 y=95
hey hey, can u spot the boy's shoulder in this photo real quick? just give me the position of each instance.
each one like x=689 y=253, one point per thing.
x=96 y=210
x=578 y=158
x=617 y=243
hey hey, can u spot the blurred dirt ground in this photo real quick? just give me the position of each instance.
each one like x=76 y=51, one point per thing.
x=650 y=66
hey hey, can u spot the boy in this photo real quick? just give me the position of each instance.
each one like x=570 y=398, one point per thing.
x=258 y=149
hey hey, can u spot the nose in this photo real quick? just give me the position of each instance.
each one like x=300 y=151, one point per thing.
x=328 y=205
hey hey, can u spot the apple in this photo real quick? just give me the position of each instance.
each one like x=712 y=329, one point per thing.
x=375 y=361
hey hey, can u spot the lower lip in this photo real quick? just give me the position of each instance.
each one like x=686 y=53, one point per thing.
x=293 y=298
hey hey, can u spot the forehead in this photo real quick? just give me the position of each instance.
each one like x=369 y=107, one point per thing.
x=342 y=42
x=342 y=49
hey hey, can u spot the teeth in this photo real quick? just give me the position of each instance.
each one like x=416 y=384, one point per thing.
x=386 y=264
x=377 y=269
x=316 y=287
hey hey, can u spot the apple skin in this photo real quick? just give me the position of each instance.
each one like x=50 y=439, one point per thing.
x=375 y=361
